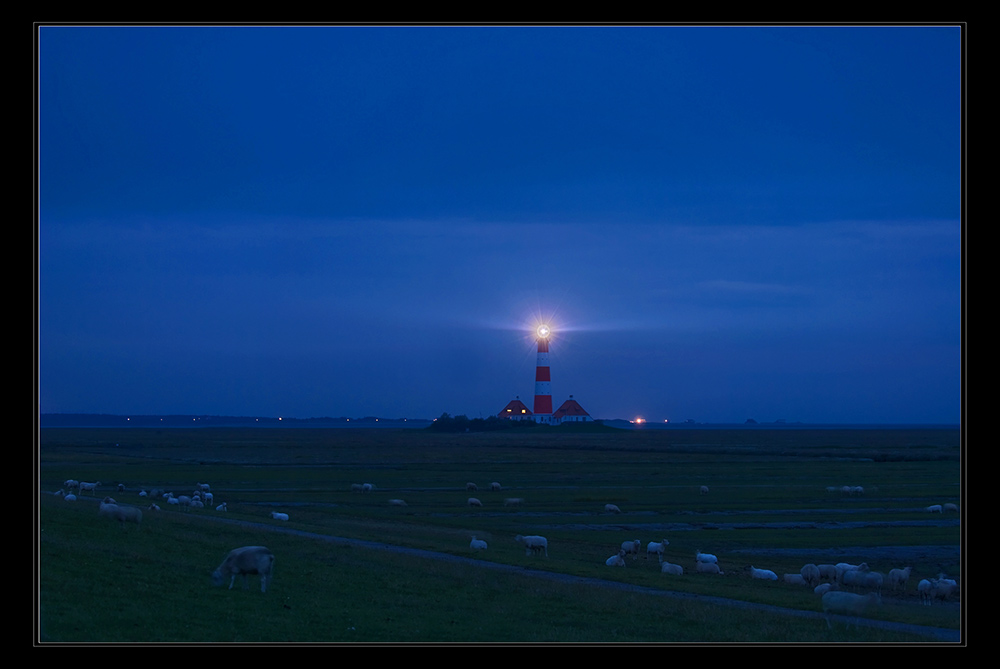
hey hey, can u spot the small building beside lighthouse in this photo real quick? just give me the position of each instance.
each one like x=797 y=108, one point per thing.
x=571 y=412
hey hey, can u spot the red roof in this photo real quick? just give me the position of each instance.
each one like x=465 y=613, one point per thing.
x=570 y=408
x=514 y=408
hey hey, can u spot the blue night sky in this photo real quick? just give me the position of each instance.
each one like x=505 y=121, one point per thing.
x=719 y=223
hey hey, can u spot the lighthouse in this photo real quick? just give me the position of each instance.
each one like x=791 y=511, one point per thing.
x=543 y=394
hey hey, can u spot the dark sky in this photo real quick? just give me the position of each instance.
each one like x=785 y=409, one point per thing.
x=719 y=223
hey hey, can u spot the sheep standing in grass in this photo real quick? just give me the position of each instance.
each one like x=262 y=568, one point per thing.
x=495 y=486
x=471 y=487
x=827 y=572
x=533 y=544
x=632 y=548
x=356 y=487
x=222 y=507
x=670 y=568
x=70 y=497
x=824 y=588
x=474 y=502
x=279 y=516
x=367 y=487
x=899 y=577
x=704 y=490
x=397 y=502
x=154 y=506
x=611 y=508
x=92 y=487
x=810 y=574
x=705 y=557
x=616 y=560
x=934 y=508
x=658 y=548
x=847 y=603
x=477 y=544
x=844 y=567
x=243 y=561
x=123 y=514
x=950 y=507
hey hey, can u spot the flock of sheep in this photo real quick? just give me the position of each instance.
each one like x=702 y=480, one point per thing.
x=828 y=580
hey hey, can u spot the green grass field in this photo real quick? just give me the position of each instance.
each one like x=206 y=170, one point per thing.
x=767 y=506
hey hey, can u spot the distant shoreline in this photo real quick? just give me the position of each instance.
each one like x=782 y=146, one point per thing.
x=61 y=420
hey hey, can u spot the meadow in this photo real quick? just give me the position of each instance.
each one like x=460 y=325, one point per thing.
x=767 y=505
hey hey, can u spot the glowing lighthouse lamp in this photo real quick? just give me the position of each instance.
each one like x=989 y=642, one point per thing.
x=543 y=394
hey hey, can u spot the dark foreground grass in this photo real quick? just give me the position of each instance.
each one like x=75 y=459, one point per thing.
x=99 y=583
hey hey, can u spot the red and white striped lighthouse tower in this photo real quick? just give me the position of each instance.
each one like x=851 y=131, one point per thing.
x=543 y=395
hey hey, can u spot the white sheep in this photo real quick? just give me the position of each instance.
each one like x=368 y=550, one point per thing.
x=810 y=574
x=121 y=487
x=670 y=568
x=173 y=500
x=611 y=508
x=843 y=567
x=70 y=497
x=474 y=502
x=632 y=548
x=471 y=487
x=143 y=493
x=71 y=483
x=934 y=508
x=857 y=490
x=209 y=498
x=824 y=588
x=704 y=490
x=616 y=560
x=92 y=487
x=495 y=486
x=356 y=487
x=708 y=568
x=763 y=574
x=184 y=500
x=197 y=504
x=950 y=507
x=899 y=577
x=795 y=579
x=243 y=561
x=123 y=514
x=827 y=571
x=279 y=516
x=705 y=557
x=533 y=544
x=924 y=589
x=873 y=581
x=853 y=578
x=847 y=603
x=367 y=487
x=153 y=506
x=513 y=501
x=397 y=502
x=204 y=487
x=222 y=507
x=942 y=588
x=658 y=548
x=477 y=544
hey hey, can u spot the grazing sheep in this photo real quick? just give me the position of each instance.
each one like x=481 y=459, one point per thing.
x=222 y=507
x=611 y=508
x=495 y=487
x=471 y=487
x=847 y=603
x=899 y=577
x=121 y=487
x=853 y=578
x=243 y=561
x=616 y=560
x=844 y=567
x=873 y=581
x=763 y=574
x=153 y=506
x=924 y=589
x=367 y=487
x=173 y=500
x=705 y=557
x=857 y=490
x=810 y=574
x=110 y=500
x=197 y=504
x=397 y=502
x=92 y=487
x=143 y=493
x=513 y=501
x=356 y=487
x=477 y=544
x=824 y=588
x=632 y=548
x=708 y=568
x=934 y=508
x=70 y=497
x=71 y=483
x=827 y=571
x=950 y=507
x=279 y=516
x=670 y=568
x=123 y=514
x=183 y=500
x=474 y=502
x=533 y=544
x=658 y=548
x=795 y=579
x=704 y=490
x=941 y=588
x=204 y=487
x=209 y=498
